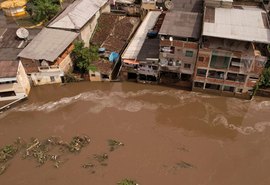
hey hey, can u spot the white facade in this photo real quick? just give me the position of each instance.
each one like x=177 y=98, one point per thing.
x=12 y=88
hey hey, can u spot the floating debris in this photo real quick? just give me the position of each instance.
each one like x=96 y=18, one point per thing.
x=7 y=152
x=88 y=165
x=113 y=144
x=184 y=164
x=101 y=158
x=127 y=182
x=3 y=168
x=77 y=143
x=42 y=151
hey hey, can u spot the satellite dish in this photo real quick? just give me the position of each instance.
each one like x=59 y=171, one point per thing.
x=169 y=5
x=22 y=33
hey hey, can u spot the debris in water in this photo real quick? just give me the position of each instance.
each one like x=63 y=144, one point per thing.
x=127 y=182
x=3 y=168
x=113 y=144
x=77 y=143
x=184 y=164
x=7 y=152
x=42 y=151
x=101 y=158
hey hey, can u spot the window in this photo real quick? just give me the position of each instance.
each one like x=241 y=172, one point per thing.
x=187 y=66
x=201 y=59
x=235 y=62
x=52 y=78
x=178 y=63
x=220 y=62
x=7 y=94
x=239 y=90
x=201 y=72
x=185 y=77
x=189 y=53
x=216 y=74
x=167 y=49
x=236 y=77
x=198 y=85
x=228 y=88
x=212 y=86
x=93 y=75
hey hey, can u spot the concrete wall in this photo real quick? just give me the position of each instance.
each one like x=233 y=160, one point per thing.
x=88 y=30
x=50 y=76
x=95 y=76
x=21 y=88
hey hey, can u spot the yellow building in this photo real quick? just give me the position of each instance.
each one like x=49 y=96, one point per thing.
x=14 y=7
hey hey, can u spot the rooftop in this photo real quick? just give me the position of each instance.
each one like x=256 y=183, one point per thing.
x=7 y=54
x=149 y=50
x=247 y=23
x=9 y=39
x=182 y=24
x=8 y=69
x=48 y=44
x=188 y=5
x=110 y=33
x=135 y=45
x=76 y=15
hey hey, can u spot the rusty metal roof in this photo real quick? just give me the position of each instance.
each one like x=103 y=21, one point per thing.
x=8 y=69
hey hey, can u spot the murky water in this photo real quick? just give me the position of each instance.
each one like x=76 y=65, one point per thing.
x=225 y=140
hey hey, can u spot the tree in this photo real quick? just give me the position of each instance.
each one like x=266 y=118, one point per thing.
x=43 y=10
x=265 y=78
x=83 y=56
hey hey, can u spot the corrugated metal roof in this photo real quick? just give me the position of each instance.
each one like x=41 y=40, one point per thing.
x=76 y=15
x=48 y=44
x=8 y=69
x=241 y=23
x=150 y=49
x=182 y=24
x=135 y=45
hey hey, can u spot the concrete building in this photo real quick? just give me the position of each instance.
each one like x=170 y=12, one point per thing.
x=180 y=34
x=47 y=57
x=231 y=56
x=14 y=82
x=81 y=16
x=130 y=55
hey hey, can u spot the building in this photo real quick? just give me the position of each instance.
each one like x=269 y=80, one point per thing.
x=111 y=38
x=81 y=16
x=231 y=56
x=130 y=55
x=47 y=57
x=180 y=34
x=14 y=82
x=14 y=8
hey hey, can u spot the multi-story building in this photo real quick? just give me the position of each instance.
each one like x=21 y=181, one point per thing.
x=231 y=56
x=180 y=34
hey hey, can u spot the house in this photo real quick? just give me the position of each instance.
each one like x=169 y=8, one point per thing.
x=14 y=8
x=148 y=4
x=47 y=57
x=130 y=55
x=14 y=83
x=232 y=54
x=112 y=35
x=81 y=16
x=180 y=34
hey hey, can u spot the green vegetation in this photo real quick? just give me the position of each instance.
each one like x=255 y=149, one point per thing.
x=42 y=10
x=127 y=182
x=83 y=57
x=265 y=78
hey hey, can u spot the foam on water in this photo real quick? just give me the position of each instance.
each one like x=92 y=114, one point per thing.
x=133 y=102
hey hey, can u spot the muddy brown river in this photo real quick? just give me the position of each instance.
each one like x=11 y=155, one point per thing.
x=170 y=136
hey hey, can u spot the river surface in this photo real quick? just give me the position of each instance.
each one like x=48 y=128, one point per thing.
x=225 y=141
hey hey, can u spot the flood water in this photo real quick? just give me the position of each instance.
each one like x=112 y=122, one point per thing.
x=226 y=141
